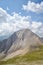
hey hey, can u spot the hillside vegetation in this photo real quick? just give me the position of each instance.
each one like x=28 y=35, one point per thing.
x=34 y=56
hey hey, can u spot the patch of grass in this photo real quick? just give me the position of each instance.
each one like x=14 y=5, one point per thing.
x=33 y=56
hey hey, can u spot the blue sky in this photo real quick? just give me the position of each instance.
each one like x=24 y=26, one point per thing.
x=28 y=10
x=16 y=6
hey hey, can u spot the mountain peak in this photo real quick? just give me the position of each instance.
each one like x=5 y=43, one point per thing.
x=20 y=41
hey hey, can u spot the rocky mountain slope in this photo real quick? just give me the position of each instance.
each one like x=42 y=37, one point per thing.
x=42 y=39
x=19 y=43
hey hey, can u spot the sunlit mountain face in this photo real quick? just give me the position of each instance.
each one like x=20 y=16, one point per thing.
x=20 y=42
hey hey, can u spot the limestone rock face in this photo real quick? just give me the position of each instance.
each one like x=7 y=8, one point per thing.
x=20 y=42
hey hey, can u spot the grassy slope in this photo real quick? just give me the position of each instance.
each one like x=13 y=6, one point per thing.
x=30 y=57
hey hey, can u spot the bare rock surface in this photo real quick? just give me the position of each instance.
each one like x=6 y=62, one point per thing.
x=18 y=43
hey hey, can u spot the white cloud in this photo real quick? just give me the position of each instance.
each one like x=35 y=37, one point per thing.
x=9 y=24
x=35 y=26
x=4 y=16
x=34 y=7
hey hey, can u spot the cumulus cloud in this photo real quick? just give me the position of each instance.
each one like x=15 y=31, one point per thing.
x=34 y=7
x=10 y=24
x=4 y=16
x=37 y=27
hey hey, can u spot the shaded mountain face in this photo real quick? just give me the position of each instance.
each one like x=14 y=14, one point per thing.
x=42 y=39
x=20 y=42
